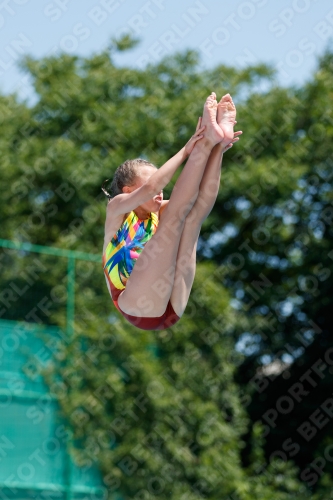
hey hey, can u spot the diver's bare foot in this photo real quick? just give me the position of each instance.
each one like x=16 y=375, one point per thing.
x=213 y=132
x=226 y=116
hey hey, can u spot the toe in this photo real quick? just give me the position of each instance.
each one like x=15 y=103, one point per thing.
x=226 y=98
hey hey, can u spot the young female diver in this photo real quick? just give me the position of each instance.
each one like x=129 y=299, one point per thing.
x=149 y=253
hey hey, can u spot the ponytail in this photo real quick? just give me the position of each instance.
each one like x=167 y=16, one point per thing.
x=125 y=175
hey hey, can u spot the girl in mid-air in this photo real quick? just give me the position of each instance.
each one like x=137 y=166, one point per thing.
x=149 y=253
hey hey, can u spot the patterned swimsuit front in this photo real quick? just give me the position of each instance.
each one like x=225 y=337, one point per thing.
x=119 y=259
x=124 y=249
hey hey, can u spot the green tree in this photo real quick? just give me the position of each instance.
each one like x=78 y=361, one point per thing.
x=299 y=298
x=161 y=411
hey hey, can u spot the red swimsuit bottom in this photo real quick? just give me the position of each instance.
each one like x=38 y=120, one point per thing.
x=168 y=319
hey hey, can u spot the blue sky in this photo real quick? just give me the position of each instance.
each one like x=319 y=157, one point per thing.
x=289 y=34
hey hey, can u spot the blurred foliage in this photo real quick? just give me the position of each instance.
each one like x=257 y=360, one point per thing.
x=174 y=414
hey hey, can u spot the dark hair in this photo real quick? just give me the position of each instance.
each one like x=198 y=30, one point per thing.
x=125 y=175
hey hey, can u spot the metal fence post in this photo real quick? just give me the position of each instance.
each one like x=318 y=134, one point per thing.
x=70 y=295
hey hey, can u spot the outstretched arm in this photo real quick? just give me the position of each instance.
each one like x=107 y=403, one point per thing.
x=165 y=173
x=125 y=202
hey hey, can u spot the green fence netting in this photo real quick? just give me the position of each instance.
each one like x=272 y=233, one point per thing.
x=37 y=292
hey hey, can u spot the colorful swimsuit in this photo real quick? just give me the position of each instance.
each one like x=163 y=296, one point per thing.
x=118 y=262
